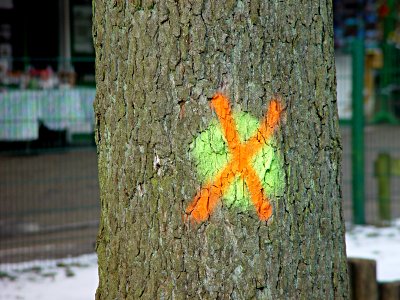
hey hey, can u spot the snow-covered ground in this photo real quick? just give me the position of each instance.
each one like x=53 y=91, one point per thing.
x=380 y=244
x=63 y=279
x=76 y=278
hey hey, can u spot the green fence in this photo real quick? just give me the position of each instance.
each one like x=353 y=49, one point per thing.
x=370 y=132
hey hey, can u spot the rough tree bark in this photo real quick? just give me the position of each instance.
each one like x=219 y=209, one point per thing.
x=158 y=64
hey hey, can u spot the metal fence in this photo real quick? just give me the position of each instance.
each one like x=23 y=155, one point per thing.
x=48 y=174
x=378 y=150
x=49 y=189
x=379 y=139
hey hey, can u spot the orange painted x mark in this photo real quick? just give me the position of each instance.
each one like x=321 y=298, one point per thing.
x=242 y=154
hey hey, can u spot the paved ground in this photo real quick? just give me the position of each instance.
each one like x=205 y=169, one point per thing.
x=49 y=202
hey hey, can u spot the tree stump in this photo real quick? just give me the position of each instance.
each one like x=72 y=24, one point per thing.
x=363 y=279
x=389 y=290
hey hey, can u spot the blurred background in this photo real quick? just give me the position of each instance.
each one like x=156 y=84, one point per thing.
x=49 y=193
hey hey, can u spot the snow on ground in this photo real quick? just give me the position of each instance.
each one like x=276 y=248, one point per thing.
x=63 y=279
x=76 y=278
x=381 y=244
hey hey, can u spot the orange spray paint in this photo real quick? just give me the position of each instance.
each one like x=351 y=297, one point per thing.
x=240 y=163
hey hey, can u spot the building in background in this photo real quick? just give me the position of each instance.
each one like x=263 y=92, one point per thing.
x=46 y=43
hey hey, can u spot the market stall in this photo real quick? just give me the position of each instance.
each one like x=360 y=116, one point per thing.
x=21 y=112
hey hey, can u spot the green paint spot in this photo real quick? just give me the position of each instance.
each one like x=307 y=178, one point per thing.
x=237 y=194
x=211 y=154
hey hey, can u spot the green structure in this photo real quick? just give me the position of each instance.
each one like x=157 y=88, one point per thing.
x=385 y=168
x=358 y=132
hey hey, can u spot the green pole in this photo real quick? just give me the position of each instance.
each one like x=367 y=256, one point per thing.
x=382 y=172
x=358 y=131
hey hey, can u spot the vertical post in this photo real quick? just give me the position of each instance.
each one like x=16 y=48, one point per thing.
x=382 y=172
x=65 y=36
x=362 y=274
x=25 y=58
x=358 y=131
x=389 y=290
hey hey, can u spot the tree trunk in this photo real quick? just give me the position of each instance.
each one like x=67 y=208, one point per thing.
x=158 y=66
